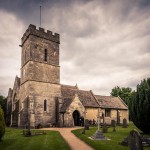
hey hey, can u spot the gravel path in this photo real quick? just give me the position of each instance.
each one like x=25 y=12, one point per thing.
x=74 y=142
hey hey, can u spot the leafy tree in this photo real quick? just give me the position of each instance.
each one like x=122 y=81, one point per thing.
x=2 y=124
x=139 y=106
x=3 y=103
x=122 y=92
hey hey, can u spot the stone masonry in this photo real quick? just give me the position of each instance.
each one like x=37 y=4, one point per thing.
x=38 y=95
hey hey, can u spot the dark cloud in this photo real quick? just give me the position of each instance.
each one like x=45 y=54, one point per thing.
x=104 y=43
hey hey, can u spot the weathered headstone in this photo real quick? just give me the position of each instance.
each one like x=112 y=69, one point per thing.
x=83 y=131
x=104 y=129
x=86 y=124
x=134 y=140
x=113 y=124
x=124 y=125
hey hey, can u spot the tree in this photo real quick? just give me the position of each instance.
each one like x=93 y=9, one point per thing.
x=122 y=92
x=139 y=106
x=2 y=124
x=3 y=103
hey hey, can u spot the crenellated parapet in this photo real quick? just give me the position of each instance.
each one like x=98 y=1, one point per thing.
x=40 y=33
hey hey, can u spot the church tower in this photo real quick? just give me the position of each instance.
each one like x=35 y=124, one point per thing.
x=40 y=76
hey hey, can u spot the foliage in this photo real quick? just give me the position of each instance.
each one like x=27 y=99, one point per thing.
x=139 y=106
x=14 y=140
x=2 y=124
x=3 y=103
x=123 y=92
x=115 y=137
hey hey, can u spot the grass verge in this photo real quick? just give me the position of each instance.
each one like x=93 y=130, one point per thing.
x=112 y=144
x=14 y=140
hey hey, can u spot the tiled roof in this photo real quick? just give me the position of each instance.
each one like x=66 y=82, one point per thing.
x=111 y=102
x=87 y=98
x=68 y=91
x=65 y=105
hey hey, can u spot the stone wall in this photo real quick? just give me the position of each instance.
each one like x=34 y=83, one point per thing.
x=92 y=113
x=75 y=105
x=40 y=72
x=38 y=92
x=34 y=45
x=123 y=114
x=40 y=76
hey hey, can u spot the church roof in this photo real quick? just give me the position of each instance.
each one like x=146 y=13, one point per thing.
x=87 y=98
x=111 y=102
x=66 y=104
x=68 y=91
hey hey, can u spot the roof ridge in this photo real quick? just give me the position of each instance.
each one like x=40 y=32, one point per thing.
x=74 y=86
x=123 y=101
x=105 y=96
x=95 y=97
x=83 y=90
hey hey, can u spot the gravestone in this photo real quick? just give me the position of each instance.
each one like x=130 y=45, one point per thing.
x=86 y=125
x=104 y=129
x=113 y=124
x=134 y=140
x=124 y=125
x=83 y=131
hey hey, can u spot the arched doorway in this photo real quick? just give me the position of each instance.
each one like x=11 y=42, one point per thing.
x=76 y=117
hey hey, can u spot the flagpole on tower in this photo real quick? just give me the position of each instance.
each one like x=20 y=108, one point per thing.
x=41 y=4
x=40 y=15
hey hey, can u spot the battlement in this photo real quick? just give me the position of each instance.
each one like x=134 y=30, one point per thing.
x=40 y=33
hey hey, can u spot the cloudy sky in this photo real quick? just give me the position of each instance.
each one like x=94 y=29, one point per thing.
x=104 y=43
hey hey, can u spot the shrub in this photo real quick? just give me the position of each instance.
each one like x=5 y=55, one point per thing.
x=2 y=123
x=139 y=106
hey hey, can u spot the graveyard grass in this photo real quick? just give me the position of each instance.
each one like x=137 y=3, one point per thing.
x=14 y=140
x=115 y=137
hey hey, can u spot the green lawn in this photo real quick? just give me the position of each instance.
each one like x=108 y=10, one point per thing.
x=112 y=144
x=14 y=140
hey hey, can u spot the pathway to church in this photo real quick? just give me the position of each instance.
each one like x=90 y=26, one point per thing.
x=74 y=142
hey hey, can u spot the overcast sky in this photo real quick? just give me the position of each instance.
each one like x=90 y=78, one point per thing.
x=104 y=43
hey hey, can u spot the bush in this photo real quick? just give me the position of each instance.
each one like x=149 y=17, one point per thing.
x=139 y=106
x=2 y=123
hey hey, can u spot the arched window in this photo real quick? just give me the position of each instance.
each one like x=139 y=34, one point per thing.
x=45 y=55
x=45 y=105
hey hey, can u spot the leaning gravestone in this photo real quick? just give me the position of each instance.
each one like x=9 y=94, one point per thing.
x=113 y=124
x=134 y=140
x=124 y=125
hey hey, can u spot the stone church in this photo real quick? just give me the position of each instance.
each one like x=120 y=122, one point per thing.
x=39 y=97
